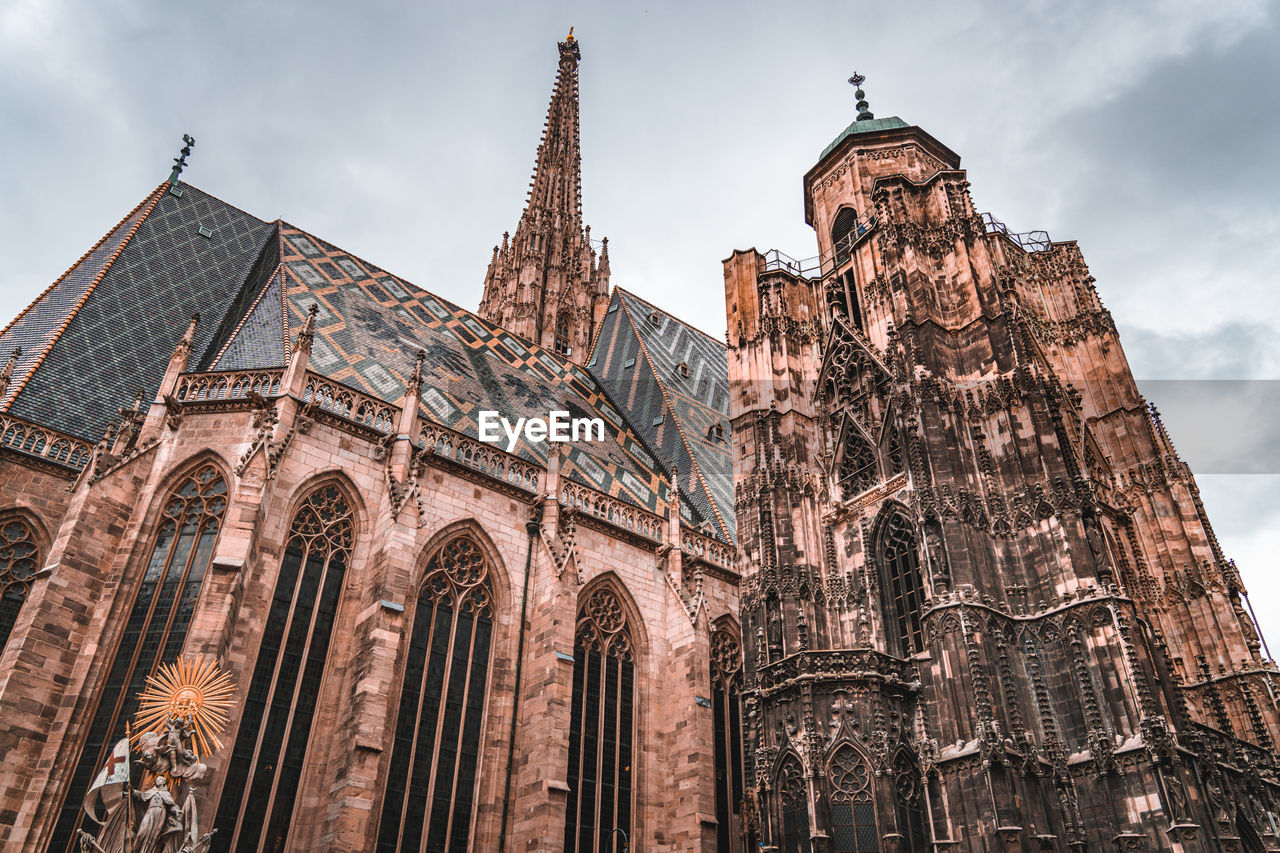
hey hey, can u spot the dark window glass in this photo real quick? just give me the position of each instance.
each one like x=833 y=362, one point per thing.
x=432 y=777
x=562 y=336
x=726 y=682
x=795 y=808
x=600 y=737
x=19 y=561
x=159 y=619
x=904 y=590
x=853 y=816
x=909 y=803
x=266 y=763
x=855 y=309
x=844 y=231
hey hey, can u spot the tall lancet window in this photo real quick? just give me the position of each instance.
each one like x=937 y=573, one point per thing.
x=795 y=807
x=600 y=737
x=19 y=560
x=853 y=811
x=903 y=590
x=265 y=766
x=430 y=791
x=155 y=629
x=726 y=688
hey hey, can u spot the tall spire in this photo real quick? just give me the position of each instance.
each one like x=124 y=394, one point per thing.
x=543 y=284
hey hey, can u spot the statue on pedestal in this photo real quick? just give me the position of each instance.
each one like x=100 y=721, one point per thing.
x=182 y=708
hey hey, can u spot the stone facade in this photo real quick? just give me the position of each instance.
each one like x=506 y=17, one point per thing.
x=981 y=606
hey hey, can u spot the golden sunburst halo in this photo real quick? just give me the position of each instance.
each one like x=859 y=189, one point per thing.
x=190 y=690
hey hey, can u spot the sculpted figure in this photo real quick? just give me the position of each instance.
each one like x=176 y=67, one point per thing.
x=161 y=828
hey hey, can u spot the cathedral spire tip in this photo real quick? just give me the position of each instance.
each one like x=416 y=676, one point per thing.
x=570 y=54
x=856 y=81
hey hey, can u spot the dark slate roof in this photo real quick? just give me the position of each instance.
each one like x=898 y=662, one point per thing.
x=637 y=358
x=117 y=339
x=251 y=334
x=37 y=328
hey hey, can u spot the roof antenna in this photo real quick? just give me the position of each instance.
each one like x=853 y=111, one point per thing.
x=856 y=81
x=180 y=162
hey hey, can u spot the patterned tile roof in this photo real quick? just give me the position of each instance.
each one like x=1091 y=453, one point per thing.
x=106 y=329
x=113 y=335
x=370 y=324
x=672 y=382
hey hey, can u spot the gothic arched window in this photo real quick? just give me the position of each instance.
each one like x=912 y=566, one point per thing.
x=858 y=469
x=156 y=626
x=562 y=336
x=844 y=230
x=903 y=593
x=909 y=803
x=853 y=811
x=431 y=784
x=795 y=807
x=726 y=706
x=19 y=560
x=271 y=744
x=600 y=736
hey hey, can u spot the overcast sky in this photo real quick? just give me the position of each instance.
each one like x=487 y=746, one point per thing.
x=405 y=133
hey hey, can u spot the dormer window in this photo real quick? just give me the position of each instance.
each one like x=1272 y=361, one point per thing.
x=683 y=369
x=655 y=319
x=716 y=433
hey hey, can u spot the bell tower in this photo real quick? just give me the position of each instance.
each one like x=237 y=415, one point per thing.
x=974 y=615
x=546 y=283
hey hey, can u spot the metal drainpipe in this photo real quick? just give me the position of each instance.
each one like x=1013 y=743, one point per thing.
x=532 y=526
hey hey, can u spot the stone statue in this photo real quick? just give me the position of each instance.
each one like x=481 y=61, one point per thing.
x=166 y=752
x=182 y=709
x=150 y=820
x=937 y=558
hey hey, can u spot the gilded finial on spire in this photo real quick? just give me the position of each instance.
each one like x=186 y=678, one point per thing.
x=180 y=162
x=569 y=52
x=856 y=81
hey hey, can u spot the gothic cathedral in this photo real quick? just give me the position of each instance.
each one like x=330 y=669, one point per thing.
x=904 y=563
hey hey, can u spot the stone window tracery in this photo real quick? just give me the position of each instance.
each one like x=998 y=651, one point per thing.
x=19 y=561
x=795 y=807
x=430 y=790
x=265 y=766
x=156 y=626
x=726 y=707
x=903 y=593
x=909 y=802
x=858 y=469
x=600 y=739
x=853 y=814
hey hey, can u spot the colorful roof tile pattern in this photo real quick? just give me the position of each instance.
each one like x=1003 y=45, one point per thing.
x=370 y=324
x=672 y=382
x=105 y=330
